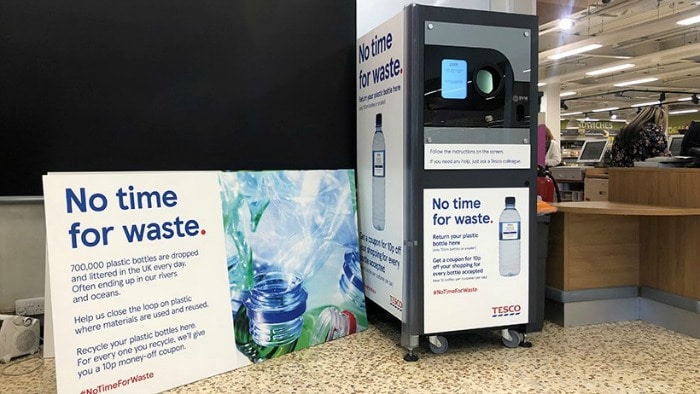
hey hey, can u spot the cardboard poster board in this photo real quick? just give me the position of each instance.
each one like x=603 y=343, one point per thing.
x=145 y=272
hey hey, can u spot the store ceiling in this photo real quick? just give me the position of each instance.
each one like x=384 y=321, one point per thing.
x=639 y=32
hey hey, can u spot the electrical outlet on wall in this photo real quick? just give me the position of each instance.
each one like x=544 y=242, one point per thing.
x=29 y=306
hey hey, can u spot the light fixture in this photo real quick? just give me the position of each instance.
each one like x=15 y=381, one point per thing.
x=662 y=97
x=562 y=105
x=683 y=111
x=575 y=51
x=694 y=98
x=613 y=116
x=689 y=21
x=567 y=94
x=571 y=113
x=540 y=84
x=636 y=81
x=645 y=104
x=606 y=109
x=610 y=69
x=566 y=23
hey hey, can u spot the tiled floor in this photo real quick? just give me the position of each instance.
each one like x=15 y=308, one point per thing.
x=629 y=357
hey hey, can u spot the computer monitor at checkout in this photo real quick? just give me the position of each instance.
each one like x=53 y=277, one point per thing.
x=592 y=151
x=674 y=144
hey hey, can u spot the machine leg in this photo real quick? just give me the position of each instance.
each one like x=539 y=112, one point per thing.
x=410 y=342
x=410 y=357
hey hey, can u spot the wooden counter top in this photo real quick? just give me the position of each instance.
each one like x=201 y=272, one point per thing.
x=618 y=208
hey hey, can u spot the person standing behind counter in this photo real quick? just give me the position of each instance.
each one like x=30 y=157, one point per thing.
x=553 y=156
x=642 y=138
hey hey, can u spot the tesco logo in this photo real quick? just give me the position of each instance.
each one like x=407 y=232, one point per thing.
x=396 y=303
x=505 y=310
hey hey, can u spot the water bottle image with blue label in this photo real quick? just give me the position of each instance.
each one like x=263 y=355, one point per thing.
x=378 y=176
x=509 y=240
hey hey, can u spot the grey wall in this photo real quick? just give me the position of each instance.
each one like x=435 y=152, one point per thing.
x=22 y=252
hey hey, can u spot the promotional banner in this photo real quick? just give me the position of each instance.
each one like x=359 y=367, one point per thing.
x=152 y=271
x=380 y=161
x=476 y=258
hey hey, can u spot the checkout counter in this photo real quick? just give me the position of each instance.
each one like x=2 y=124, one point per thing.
x=634 y=256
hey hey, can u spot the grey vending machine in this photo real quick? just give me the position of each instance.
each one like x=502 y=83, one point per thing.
x=446 y=172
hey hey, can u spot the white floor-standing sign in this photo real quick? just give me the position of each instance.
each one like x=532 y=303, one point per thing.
x=160 y=279
x=139 y=293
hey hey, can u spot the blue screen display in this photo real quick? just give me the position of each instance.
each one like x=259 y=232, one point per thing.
x=454 y=79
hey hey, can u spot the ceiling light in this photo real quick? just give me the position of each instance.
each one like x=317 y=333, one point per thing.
x=562 y=105
x=612 y=115
x=637 y=81
x=662 y=97
x=694 y=99
x=645 y=104
x=575 y=51
x=566 y=94
x=610 y=69
x=571 y=113
x=689 y=21
x=566 y=23
x=606 y=109
x=685 y=99
x=684 y=111
x=539 y=84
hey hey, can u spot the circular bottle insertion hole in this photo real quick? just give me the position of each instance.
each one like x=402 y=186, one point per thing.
x=488 y=80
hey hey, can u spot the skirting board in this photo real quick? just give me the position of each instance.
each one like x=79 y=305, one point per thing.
x=670 y=317
x=592 y=312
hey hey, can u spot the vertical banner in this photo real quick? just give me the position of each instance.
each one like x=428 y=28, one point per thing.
x=152 y=271
x=476 y=258
x=380 y=161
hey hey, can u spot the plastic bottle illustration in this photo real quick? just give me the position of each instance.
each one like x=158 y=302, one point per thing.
x=308 y=217
x=242 y=205
x=347 y=316
x=509 y=240
x=378 y=176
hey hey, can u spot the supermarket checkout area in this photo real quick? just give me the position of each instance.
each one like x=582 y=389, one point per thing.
x=629 y=251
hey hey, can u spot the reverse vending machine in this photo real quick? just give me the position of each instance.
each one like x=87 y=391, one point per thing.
x=446 y=159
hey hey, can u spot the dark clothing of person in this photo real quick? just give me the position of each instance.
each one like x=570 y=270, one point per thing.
x=650 y=141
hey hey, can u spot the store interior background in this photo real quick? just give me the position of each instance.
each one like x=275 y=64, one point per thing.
x=639 y=32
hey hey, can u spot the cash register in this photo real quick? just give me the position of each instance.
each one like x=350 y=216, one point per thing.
x=674 y=160
x=592 y=153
